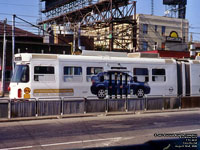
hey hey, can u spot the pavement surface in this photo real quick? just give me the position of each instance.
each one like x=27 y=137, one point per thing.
x=100 y=131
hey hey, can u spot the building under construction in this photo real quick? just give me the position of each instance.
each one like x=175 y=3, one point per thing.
x=111 y=24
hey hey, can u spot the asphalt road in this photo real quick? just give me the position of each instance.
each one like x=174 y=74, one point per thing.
x=98 y=131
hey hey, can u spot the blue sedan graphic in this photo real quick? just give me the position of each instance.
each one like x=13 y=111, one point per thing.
x=117 y=83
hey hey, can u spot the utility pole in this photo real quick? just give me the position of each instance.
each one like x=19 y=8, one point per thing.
x=111 y=38
x=4 y=60
x=74 y=39
x=40 y=16
x=79 y=35
x=152 y=7
x=13 y=43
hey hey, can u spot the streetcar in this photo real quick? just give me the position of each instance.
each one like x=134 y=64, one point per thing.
x=52 y=75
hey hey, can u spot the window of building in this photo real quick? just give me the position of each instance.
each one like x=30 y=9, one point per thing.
x=72 y=74
x=140 y=74
x=163 y=30
x=156 y=28
x=158 y=75
x=92 y=71
x=184 y=39
x=144 y=46
x=145 y=28
x=155 y=46
x=44 y=73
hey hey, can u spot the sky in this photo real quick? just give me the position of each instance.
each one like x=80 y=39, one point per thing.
x=29 y=10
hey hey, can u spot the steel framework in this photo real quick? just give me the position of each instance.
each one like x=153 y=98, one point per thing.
x=112 y=23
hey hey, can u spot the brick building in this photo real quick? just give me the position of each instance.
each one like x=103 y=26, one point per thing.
x=25 y=42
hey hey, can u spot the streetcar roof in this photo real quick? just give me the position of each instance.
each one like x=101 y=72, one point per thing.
x=27 y=57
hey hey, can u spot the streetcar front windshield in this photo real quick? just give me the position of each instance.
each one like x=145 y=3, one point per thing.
x=21 y=74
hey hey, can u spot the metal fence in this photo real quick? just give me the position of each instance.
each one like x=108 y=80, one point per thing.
x=4 y=108
x=65 y=106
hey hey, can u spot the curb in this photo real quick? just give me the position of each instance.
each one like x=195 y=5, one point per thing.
x=47 y=117
x=95 y=115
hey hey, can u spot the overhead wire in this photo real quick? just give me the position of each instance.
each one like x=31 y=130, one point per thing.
x=20 y=5
x=18 y=15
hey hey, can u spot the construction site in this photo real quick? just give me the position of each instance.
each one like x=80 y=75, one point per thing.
x=105 y=25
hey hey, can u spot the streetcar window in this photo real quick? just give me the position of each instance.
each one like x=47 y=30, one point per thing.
x=92 y=71
x=158 y=75
x=68 y=70
x=72 y=74
x=44 y=73
x=141 y=74
x=77 y=71
x=21 y=74
x=44 y=70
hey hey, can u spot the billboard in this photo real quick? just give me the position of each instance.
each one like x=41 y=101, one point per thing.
x=174 y=2
x=55 y=3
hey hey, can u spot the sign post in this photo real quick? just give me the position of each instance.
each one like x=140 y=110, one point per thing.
x=4 y=61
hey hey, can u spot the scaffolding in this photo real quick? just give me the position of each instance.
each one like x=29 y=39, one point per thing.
x=112 y=23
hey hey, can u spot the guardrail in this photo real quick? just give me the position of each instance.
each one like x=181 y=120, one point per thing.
x=4 y=108
x=10 y=108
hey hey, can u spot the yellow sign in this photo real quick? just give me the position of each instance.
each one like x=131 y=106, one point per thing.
x=173 y=37
x=173 y=34
x=53 y=91
x=27 y=91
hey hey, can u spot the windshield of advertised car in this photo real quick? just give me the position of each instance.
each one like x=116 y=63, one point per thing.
x=21 y=74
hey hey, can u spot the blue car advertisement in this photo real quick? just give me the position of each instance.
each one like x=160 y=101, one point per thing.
x=117 y=83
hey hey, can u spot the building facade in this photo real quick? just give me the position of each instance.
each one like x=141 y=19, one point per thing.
x=149 y=33
x=161 y=33
x=152 y=33
x=25 y=42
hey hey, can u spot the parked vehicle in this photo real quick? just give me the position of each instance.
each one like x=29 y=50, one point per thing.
x=117 y=83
